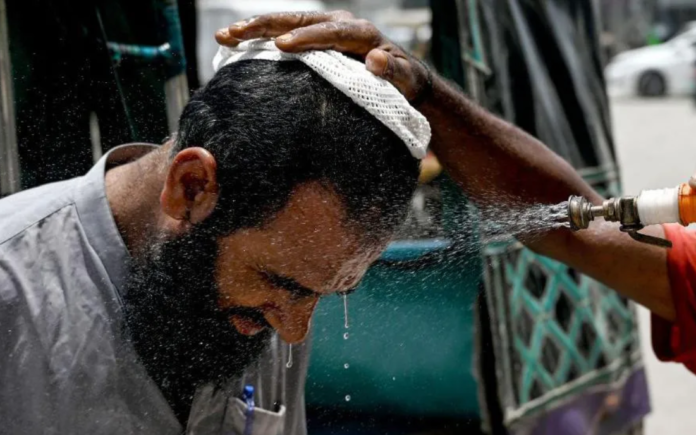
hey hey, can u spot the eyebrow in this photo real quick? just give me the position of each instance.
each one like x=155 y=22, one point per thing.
x=295 y=288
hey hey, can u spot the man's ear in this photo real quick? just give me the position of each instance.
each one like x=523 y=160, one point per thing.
x=190 y=190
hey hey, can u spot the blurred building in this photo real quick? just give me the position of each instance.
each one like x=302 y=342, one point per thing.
x=628 y=24
x=671 y=16
x=216 y=14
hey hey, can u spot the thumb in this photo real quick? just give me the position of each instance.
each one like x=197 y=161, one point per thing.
x=377 y=62
x=396 y=71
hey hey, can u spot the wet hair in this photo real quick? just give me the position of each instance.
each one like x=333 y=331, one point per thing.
x=272 y=126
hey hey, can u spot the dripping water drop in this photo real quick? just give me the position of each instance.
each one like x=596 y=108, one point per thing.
x=345 y=311
x=289 y=363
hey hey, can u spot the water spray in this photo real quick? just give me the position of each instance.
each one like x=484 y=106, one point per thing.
x=651 y=207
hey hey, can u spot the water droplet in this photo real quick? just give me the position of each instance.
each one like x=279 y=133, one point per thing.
x=289 y=363
x=345 y=336
x=347 y=397
x=345 y=311
x=346 y=365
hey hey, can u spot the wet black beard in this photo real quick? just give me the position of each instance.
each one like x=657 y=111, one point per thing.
x=175 y=325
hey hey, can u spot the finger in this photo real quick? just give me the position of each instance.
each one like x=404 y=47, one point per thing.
x=223 y=37
x=272 y=25
x=396 y=70
x=355 y=37
x=692 y=181
x=377 y=62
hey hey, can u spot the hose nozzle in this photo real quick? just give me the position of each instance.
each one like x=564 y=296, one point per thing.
x=624 y=210
x=581 y=212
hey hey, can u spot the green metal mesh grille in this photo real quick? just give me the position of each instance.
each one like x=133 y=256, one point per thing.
x=560 y=331
x=564 y=325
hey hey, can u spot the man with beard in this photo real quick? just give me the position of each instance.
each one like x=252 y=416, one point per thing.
x=492 y=160
x=133 y=299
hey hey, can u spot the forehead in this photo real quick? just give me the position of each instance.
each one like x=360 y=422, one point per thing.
x=309 y=242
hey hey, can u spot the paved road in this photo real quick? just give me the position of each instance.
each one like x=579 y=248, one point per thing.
x=656 y=147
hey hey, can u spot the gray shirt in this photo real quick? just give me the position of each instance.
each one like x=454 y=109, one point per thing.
x=64 y=367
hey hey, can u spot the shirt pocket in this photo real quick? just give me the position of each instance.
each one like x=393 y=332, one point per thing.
x=242 y=420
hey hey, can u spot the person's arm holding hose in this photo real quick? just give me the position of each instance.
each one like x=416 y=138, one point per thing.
x=488 y=157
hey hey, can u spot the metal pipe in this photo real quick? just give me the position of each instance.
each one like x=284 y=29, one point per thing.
x=9 y=156
x=598 y=211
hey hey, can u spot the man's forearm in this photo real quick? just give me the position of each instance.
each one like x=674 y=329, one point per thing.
x=492 y=159
x=487 y=156
x=495 y=162
x=636 y=270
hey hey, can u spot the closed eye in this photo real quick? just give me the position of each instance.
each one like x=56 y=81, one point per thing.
x=296 y=289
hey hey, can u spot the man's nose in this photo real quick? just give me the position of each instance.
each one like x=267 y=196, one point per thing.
x=292 y=320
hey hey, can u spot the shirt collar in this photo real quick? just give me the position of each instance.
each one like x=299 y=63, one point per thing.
x=95 y=212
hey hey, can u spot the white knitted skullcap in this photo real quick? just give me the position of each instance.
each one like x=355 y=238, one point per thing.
x=379 y=97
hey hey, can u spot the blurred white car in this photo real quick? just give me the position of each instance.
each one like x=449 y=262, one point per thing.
x=658 y=70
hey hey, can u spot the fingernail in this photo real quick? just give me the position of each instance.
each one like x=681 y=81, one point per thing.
x=244 y=23
x=369 y=64
x=223 y=33
x=284 y=38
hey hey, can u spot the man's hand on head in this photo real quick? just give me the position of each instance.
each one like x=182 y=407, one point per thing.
x=341 y=31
